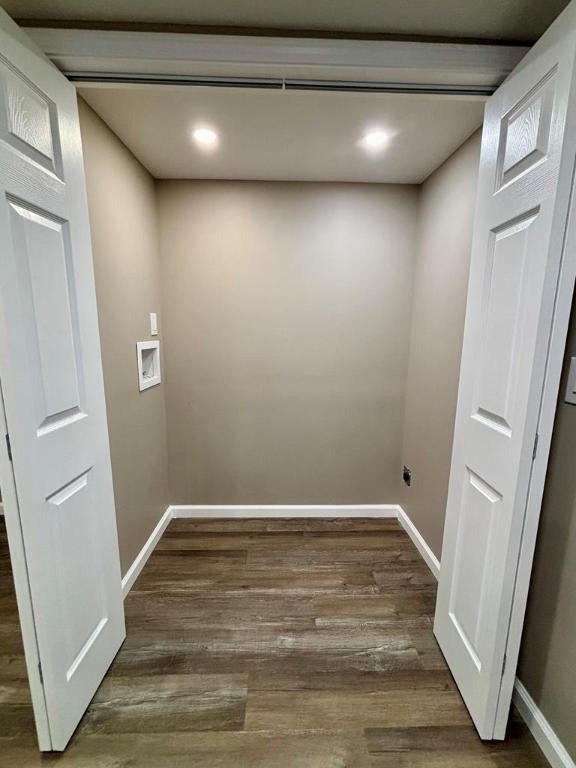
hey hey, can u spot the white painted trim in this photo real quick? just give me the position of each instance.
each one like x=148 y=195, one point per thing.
x=543 y=733
x=244 y=511
x=134 y=571
x=420 y=542
x=166 y=53
x=284 y=510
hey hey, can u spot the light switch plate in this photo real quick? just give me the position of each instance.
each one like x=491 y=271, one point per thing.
x=570 y=396
x=153 y=324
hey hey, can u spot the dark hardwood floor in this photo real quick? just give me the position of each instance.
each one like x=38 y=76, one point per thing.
x=268 y=644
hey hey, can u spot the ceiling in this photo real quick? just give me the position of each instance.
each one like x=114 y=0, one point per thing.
x=285 y=135
x=511 y=20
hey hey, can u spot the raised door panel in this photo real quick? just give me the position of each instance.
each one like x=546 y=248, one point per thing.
x=503 y=310
x=75 y=580
x=477 y=522
x=29 y=119
x=42 y=261
x=525 y=132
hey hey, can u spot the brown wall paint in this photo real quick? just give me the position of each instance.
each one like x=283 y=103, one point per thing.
x=286 y=314
x=122 y=209
x=548 y=656
x=446 y=213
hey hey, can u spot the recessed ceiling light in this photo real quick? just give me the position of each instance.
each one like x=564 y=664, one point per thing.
x=375 y=139
x=206 y=137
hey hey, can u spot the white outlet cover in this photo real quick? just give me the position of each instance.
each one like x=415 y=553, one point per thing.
x=148 y=358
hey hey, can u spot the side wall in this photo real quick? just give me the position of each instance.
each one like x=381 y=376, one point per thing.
x=287 y=309
x=122 y=206
x=446 y=214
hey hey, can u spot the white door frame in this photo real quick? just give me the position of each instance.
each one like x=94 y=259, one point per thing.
x=95 y=55
x=22 y=585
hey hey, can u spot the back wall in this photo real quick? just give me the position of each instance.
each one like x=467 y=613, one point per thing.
x=286 y=326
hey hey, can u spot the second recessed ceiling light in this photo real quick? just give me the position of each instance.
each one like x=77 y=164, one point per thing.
x=375 y=139
x=205 y=137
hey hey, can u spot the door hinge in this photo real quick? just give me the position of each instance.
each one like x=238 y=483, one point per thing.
x=535 y=449
x=40 y=673
x=8 y=446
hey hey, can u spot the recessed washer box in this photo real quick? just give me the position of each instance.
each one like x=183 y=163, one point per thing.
x=148 y=354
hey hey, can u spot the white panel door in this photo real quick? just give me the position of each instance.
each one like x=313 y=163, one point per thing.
x=526 y=171
x=51 y=376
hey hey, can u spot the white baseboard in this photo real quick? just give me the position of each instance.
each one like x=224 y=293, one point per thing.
x=134 y=571
x=284 y=510
x=257 y=510
x=429 y=557
x=543 y=733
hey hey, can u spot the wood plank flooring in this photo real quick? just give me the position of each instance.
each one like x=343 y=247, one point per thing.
x=268 y=644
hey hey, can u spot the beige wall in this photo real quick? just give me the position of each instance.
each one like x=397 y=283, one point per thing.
x=548 y=658
x=446 y=212
x=286 y=314
x=122 y=208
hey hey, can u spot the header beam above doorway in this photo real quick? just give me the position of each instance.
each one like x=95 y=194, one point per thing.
x=170 y=57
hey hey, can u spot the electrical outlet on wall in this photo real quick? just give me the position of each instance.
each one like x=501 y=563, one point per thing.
x=407 y=476
x=153 y=324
